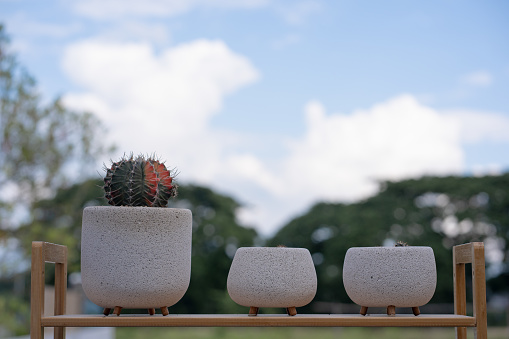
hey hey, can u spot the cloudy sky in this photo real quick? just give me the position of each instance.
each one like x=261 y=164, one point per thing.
x=281 y=104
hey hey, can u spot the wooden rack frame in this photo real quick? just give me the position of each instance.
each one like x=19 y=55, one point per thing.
x=471 y=253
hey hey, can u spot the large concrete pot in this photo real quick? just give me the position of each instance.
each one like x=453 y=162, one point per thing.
x=272 y=277
x=136 y=257
x=390 y=277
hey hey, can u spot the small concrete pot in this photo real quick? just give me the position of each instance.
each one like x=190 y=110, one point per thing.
x=135 y=257
x=272 y=277
x=390 y=277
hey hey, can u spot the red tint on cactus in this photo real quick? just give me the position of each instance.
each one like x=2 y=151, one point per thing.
x=164 y=175
x=151 y=183
x=139 y=182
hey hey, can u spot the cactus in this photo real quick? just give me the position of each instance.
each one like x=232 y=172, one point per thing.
x=139 y=181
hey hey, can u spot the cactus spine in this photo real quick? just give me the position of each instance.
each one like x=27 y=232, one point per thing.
x=139 y=181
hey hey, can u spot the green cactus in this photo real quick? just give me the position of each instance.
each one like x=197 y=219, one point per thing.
x=139 y=181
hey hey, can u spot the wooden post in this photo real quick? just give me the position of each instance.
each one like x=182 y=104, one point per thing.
x=43 y=252
x=107 y=311
x=471 y=253
x=460 y=293
x=479 y=290
x=151 y=311
x=60 y=291
x=37 y=291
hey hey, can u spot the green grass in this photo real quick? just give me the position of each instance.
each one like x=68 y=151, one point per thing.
x=300 y=333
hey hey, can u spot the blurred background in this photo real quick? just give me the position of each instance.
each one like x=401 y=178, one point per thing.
x=314 y=124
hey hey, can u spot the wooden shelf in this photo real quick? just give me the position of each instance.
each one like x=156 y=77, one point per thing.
x=264 y=320
x=471 y=253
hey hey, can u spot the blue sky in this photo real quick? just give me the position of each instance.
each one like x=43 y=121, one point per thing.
x=282 y=103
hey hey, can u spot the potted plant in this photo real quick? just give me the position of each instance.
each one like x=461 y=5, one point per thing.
x=272 y=277
x=399 y=276
x=136 y=253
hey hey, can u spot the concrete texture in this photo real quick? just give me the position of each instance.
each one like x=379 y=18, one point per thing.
x=135 y=257
x=272 y=277
x=383 y=276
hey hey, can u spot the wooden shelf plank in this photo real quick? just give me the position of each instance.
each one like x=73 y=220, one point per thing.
x=264 y=320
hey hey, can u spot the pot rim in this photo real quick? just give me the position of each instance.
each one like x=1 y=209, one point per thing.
x=271 y=248
x=135 y=207
x=390 y=247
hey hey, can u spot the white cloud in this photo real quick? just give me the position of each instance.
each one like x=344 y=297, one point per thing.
x=111 y=9
x=249 y=168
x=342 y=156
x=478 y=78
x=160 y=103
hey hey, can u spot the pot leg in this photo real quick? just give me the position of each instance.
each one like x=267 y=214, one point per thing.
x=416 y=311
x=364 y=310
x=391 y=310
x=164 y=311
x=291 y=311
x=106 y=311
x=117 y=310
x=253 y=311
x=151 y=311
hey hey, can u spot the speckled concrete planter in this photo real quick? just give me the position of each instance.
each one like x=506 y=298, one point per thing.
x=272 y=277
x=135 y=257
x=390 y=277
